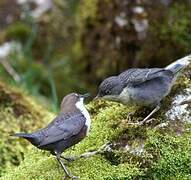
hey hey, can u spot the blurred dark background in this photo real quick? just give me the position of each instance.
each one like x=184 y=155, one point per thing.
x=53 y=47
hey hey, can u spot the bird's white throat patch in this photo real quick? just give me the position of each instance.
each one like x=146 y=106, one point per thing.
x=81 y=107
x=124 y=96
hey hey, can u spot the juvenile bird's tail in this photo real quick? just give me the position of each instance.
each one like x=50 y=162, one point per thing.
x=30 y=137
x=179 y=65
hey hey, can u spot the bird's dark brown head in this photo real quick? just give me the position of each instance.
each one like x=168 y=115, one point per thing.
x=68 y=104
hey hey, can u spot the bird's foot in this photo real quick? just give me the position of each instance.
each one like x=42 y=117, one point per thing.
x=69 y=176
x=144 y=121
x=150 y=120
x=129 y=116
x=136 y=124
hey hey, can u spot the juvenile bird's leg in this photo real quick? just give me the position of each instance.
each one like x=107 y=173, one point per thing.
x=64 y=167
x=148 y=117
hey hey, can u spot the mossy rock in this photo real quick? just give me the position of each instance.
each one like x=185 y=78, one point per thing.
x=147 y=152
x=18 y=112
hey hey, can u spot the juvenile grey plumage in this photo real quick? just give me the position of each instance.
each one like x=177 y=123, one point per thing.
x=67 y=129
x=145 y=87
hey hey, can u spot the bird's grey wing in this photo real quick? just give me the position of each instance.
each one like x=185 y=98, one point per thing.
x=60 y=118
x=137 y=76
x=62 y=129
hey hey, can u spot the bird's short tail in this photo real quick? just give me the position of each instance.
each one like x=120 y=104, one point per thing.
x=179 y=65
x=23 y=135
x=30 y=137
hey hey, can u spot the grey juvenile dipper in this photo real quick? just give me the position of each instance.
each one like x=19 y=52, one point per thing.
x=67 y=129
x=145 y=87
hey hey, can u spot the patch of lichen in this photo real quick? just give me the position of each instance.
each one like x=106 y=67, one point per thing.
x=18 y=113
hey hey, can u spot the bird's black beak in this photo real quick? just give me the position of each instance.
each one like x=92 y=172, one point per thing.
x=84 y=95
x=97 y=97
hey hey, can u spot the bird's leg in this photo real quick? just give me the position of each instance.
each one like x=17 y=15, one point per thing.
x=148 y=117
x=151 y=113
x=101 y=150
x=84 y=155
x=64 y=168
x=88 y=154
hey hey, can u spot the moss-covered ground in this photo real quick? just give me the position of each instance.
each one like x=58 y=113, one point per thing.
x=18 y=112
x=143 y=152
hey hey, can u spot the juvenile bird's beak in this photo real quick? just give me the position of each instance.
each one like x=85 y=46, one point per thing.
x=84 y=95
x=97 y=97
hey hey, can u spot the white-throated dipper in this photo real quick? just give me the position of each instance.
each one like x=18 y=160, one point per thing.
x=67 y=129
x=145 y=87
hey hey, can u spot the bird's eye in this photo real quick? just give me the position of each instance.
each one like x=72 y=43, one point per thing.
x=107 y=91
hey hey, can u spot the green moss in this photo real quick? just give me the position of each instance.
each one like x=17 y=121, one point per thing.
x=165 y=155
x=48 y=168
x=18 y=113
x=19 y=31
x=172 y=153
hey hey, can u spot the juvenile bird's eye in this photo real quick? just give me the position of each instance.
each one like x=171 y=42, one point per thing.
x=107 y=91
